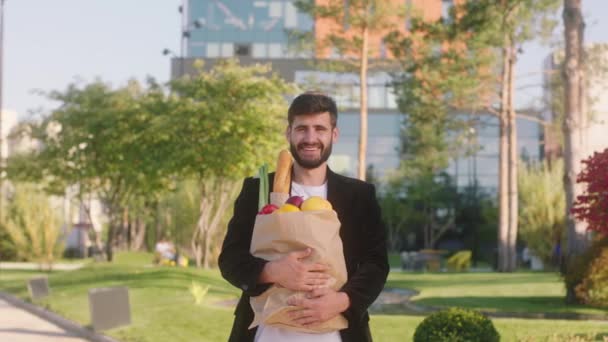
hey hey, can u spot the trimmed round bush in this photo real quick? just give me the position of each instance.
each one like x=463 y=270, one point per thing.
x=456 y=325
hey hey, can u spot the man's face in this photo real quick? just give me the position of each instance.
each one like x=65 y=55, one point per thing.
x=311 y=138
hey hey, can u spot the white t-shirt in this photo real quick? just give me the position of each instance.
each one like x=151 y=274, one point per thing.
x=272 y=334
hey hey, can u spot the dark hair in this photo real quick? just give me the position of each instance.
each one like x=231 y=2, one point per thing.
x=312 y=102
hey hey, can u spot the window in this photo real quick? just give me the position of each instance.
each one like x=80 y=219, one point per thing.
x=391 y=98
x=291 y=16
x=259 y=50
x=213 y=50
x=376 y=96
x=446 y=5
x=227 y=50
x=275 y=10
x=242 y=50
x=275 y=50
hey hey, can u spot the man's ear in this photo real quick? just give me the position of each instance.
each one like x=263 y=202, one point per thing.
x=335 y=134
x=287 y=131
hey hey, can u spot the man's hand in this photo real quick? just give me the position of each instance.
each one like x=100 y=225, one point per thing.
x=320 y=305
x=293 y=273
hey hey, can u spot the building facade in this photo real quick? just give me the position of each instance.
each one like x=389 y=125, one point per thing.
x=257 y=32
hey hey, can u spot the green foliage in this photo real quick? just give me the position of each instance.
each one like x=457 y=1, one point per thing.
x=454 y=325
x=424 y=205
x=593 y=289
x=8 y=251
x=198 y=291
x=587 y=274
x=461 y=261
x=128 y=145
x=223 y=124
x=178 y=211
x=34 y=226
x=227 y=121
x=542 y=220
x=476 y=217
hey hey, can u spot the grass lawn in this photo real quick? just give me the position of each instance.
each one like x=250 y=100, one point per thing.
x=164 y=310
x=507 y=292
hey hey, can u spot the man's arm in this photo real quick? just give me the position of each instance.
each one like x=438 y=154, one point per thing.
x=366 y=283
x=251 y=274
x=236 y=263
x=291 y=273
x=362 y=287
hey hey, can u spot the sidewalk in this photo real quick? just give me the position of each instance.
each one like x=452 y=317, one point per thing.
x=21 y=321
x=18 y=325
x=36 y=267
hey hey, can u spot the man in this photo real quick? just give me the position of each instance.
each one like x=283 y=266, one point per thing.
x=311 y=132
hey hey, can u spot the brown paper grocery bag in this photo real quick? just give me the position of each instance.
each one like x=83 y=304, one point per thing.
x=277 y=234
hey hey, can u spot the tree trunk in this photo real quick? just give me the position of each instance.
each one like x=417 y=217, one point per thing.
x=110 y=240
x=96 y=235
x=206 y=254
x=513 y=160
x=126 y=229
x=139 y=233
x=573 y=126
x=363 y=104
x=503 y=198
x=214 y=203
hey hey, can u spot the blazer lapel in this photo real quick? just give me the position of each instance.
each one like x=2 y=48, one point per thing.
x=333 y=194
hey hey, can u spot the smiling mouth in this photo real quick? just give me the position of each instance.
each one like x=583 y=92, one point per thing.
x=310 y=149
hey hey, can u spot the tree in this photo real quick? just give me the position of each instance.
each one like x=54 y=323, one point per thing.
x=477 y=35
x=574 y=122
x=92 y=140
x=224 y=124
x=354 y=30
x=591 y=207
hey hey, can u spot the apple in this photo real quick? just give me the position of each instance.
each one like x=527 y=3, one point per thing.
x=267 y=209
x=295 y=200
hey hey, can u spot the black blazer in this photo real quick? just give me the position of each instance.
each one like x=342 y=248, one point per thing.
x=363 y=237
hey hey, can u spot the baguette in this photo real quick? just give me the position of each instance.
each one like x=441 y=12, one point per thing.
x=282 y=177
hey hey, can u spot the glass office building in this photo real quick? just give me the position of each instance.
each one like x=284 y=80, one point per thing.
x=232 y=28
x=255 y=32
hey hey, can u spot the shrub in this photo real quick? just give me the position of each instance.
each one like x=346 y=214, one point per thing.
x=8 y=251
x=460 y=261
x=34 y=225
x=454 y=325
x=593 y=289
x=591 y=206
x=542 y=207
x=591 y=267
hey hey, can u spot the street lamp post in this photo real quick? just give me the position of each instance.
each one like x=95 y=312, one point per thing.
x=184 y=36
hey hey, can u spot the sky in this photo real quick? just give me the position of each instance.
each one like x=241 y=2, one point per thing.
x=50 y=44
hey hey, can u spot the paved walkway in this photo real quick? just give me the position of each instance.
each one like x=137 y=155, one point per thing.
x=17 y=325
x=37 y=267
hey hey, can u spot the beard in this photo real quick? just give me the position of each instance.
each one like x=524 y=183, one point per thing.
x=310 y=163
